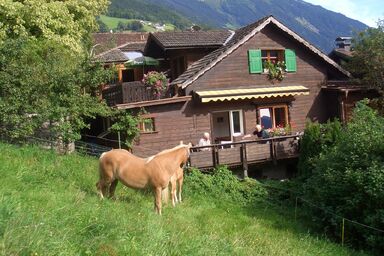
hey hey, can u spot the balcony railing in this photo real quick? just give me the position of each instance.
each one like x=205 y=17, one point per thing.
x=128 y=92
x=246 y=152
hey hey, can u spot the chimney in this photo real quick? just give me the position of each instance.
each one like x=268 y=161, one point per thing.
x=344 y=42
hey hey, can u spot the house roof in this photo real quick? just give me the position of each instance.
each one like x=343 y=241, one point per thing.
x=190 y=39
x=107 y=41
x=241 y=36
x=117 y=54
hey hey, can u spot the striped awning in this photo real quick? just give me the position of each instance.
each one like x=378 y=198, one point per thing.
x=252 y=93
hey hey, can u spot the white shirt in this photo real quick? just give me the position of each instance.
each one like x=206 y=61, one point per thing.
x=204 y=142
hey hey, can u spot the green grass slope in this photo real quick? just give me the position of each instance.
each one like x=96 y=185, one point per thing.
x=49 y=206
x=112 y=22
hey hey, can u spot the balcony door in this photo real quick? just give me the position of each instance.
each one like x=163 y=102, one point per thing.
x=226 y=125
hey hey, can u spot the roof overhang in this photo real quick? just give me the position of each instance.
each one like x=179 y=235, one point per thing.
x=251 y=93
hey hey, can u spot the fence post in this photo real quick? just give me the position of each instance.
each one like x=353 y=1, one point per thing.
x=342 y=232
x=118 y=136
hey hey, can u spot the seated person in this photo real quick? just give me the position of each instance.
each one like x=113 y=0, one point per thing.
x=205 y=141
x=260 y=132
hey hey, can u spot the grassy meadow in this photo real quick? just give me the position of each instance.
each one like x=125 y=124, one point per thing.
x=49 y=206
x=112 y=22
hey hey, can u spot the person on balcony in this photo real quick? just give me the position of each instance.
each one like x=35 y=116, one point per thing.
x=205 y=141
x=260 y=132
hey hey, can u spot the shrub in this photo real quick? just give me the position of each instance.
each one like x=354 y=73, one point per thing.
x=348 y=179
x=222 y=184
x=317 y=137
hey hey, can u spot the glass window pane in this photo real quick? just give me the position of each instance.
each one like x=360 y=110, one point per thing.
x=273 y=54
x=280 y=117
x=148 y=125
x=265 y=118
x=264 y=54
x=236 y=121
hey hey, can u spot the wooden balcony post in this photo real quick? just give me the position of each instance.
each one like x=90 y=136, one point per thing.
x=215 y=157
x=273 y=151
x=243 y=157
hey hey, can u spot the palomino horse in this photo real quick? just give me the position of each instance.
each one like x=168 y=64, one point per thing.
x=178 y=178
x=135 y=172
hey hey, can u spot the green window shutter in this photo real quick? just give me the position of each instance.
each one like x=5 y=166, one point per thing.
x=290 y=60
x=255 y=64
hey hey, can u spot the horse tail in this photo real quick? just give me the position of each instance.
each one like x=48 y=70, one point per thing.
x=165 y=194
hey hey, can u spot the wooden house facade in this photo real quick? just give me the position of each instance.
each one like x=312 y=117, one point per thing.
x=220 y=84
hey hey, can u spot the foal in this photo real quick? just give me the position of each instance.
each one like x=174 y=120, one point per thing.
x=178 y=178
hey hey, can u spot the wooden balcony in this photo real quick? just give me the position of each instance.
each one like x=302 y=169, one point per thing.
x=244 y=153
x=128 y=92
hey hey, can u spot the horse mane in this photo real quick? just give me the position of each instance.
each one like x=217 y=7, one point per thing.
x=165 y=151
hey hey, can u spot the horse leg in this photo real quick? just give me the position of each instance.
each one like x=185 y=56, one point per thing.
x=158 y=200
x=112 y=188
x=102 y=188
x=173 y=192
x=180 y=181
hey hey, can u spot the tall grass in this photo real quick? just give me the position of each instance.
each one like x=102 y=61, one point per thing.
x=49 y=206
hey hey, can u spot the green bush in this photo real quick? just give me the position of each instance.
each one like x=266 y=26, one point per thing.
x=317 y=137
x=222 y=184
x=348 y=179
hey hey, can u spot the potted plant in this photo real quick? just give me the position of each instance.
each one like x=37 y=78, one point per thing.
x=157 y=81
x=280 y=131
x=276 y=70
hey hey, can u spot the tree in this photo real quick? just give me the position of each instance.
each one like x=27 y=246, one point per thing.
x=67 y=22
x=103 y=28
x=42 y=81
x=367 y=63
x=135 y=26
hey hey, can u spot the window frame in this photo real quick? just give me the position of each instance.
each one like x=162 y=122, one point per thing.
x=280 y=56
x=141 y=125
x=273 y=107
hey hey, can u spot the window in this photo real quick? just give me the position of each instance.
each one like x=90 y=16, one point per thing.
x=272 y=55
x=236 y=122
x=147 y=125
x=273 y=116
x=128 y=75
x=258 y=57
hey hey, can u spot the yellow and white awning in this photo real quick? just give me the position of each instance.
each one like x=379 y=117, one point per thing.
x=252 y=93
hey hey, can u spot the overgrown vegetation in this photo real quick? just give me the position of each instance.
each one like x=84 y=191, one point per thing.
x=48 y=79
x=49 y=206
x=316 y=139
x=347 y=176
x=223 y=185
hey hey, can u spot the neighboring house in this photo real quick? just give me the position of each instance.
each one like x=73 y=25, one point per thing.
x=220 y=85
x=346 y=92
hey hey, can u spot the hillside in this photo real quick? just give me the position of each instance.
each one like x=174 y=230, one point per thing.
x=112 y=23
x=316 y=24
x=49 y=206
x=145 y=10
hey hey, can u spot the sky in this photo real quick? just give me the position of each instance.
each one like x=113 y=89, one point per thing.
x=366 y=11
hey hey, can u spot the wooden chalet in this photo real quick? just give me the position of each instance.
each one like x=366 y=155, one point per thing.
x=219 y=84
